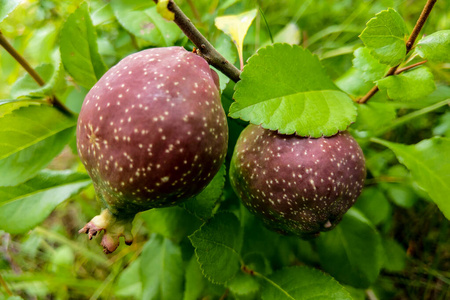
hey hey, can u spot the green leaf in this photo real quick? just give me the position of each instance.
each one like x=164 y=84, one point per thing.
x=374 y=205
x=374 y=115
x=257 y=262
x=141 y=19
x=6 y=7
x=356 y=294
x=257 y=243
x=351 y=83
x=352 y=252
x=174 y=223
x=435 y=47
x=409 y=85
x=285 y=88
x=62 y=260
x=443 y=128
x=217 y=244
x=8 y=106
x=401 y=194
x=79 y=50
x=162 y=269
x=243 y=284
x=236 y=27
x=129 y=283
x=57 y=83
x=429 y=163
x=103 y=15
x=385 y=35
x=224 y=47
x=302 y=283
x=289 y=34
x=203 y=204
x=31 y=135
x=371 y=69
x=194 y=280
x=197 y=286
x=395 y=256
x=54 y=78
x=441 y=93
x=24 y=206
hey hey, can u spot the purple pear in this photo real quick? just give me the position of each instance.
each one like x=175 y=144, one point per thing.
x=151 y=133
x=297 y=185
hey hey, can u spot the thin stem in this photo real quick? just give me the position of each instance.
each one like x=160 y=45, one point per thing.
x=410 y=116
x=247 y=270
x=409 y=45
x=5 y=286
x=369 y=95
x=409 y=67
x=205 y=49
x=103 y=286
x=225 y=295
x=23 y=62
x=267 y=24
x=241 y=59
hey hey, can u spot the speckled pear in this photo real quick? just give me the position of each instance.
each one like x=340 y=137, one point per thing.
x=151 y=133
x=296 y=185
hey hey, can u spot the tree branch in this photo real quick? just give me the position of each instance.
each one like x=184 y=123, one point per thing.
x=205 y=49
x=419 y=24
x=22 y=61
x=409 y=45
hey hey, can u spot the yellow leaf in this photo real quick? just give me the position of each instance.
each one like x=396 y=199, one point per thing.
x=236 y=27
x=161 y=8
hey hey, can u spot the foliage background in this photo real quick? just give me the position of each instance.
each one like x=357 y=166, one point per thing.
x=52 y=261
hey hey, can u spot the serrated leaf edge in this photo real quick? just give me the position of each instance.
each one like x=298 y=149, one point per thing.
x=374 y=17
x=30 y=103
x=244 y=75
x=240 y=117
x=201 y=264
